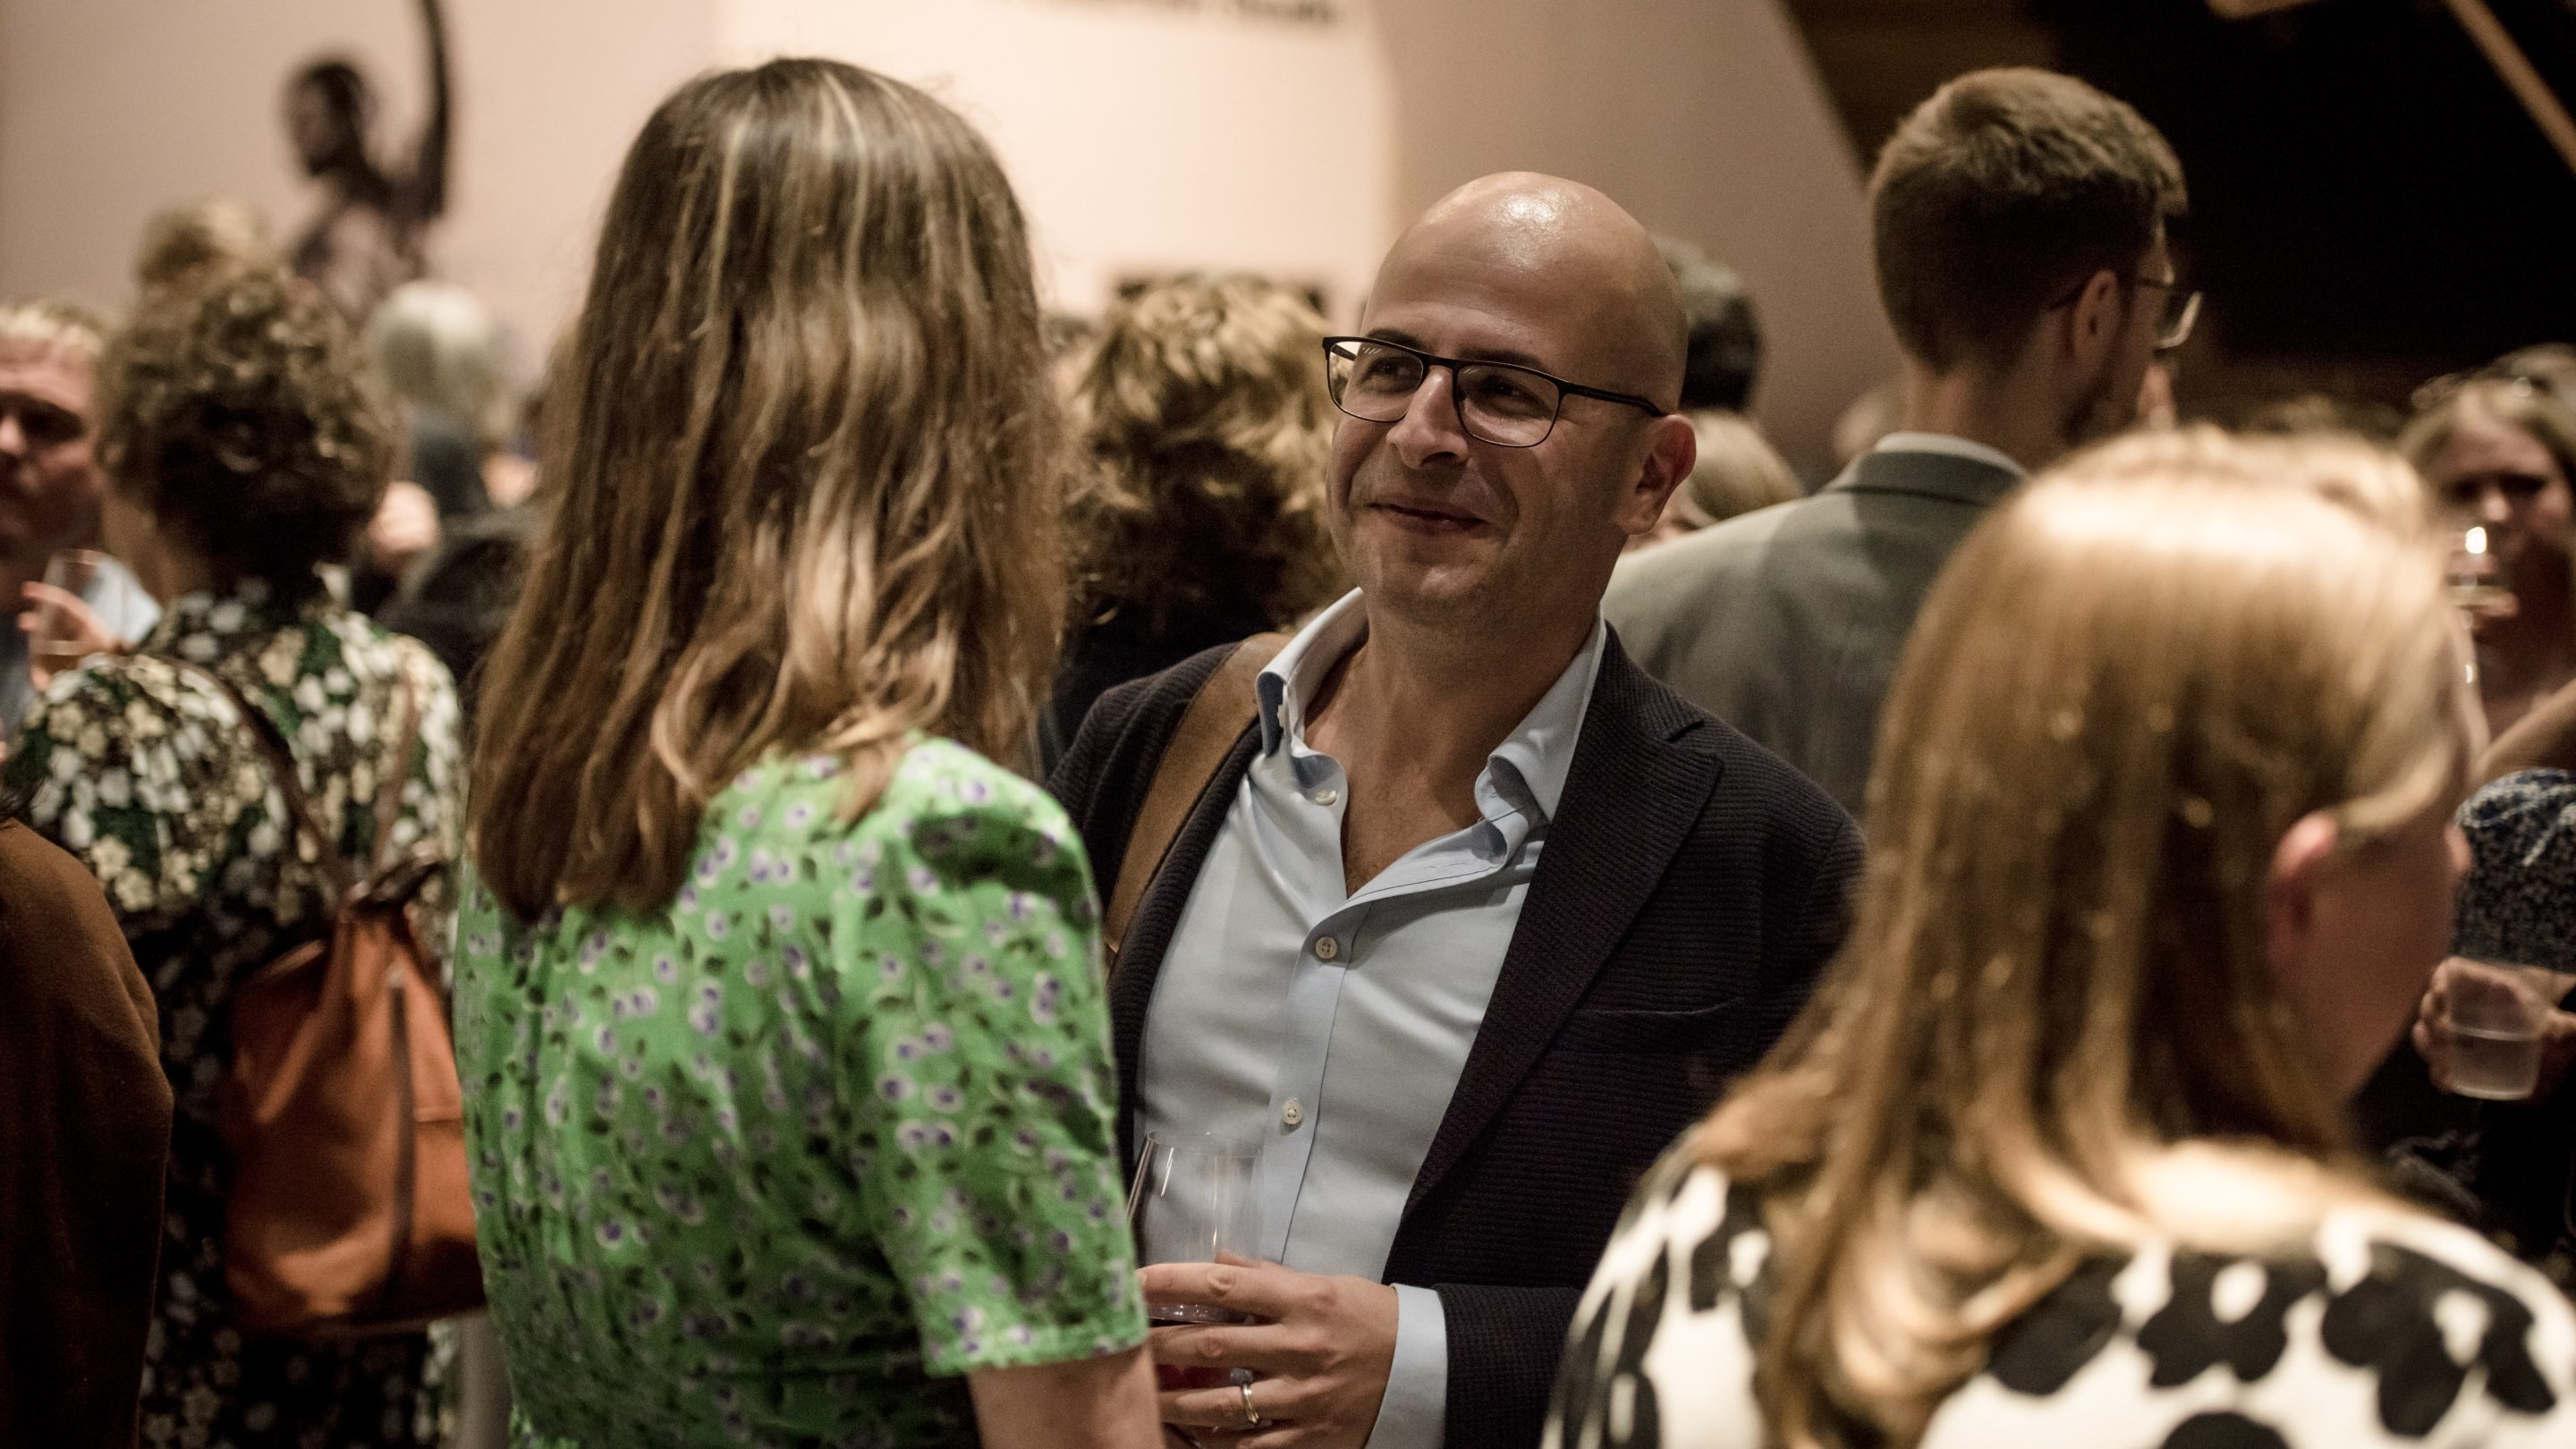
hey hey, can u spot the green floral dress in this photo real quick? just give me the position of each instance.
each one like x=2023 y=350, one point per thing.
x=147 y=774
x=776 y=1163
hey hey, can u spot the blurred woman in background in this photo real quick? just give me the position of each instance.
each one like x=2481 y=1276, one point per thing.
x=786 y=1058
x=2498 y=452
x=2161 y=869
x=1202 y=425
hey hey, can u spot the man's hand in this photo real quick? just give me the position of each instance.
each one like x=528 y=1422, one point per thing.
x=1320 y=1354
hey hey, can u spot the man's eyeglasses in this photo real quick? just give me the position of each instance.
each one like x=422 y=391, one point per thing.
x=2173 y=325
x=1498 y=402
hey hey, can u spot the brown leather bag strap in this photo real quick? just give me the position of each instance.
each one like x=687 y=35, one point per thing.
x=1218 y=715
x=281 y=762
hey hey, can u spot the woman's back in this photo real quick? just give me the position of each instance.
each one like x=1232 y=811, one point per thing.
x=2382 y=1328
x=835 y=1117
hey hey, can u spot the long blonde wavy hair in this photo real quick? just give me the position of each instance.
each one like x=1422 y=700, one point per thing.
x=2054 y=1029
x=1202 y=425
x=806 y=470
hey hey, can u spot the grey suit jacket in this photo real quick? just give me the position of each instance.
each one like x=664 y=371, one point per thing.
x=1787 y=623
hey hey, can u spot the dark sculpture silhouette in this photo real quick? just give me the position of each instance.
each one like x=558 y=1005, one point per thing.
x=367 y=238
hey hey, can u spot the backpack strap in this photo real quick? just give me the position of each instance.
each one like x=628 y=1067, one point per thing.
x=343 y=878
x=1224 y=707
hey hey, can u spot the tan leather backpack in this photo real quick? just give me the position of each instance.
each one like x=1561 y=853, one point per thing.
x=349 y=1212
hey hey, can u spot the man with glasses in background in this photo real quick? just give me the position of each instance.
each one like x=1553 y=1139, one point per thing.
x=2019 y=226
x=1469 y=917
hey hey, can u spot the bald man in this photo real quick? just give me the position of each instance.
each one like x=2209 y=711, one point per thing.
x=1472 y=918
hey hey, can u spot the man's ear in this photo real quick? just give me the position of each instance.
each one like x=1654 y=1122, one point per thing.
x=2094 y=323
x=1671 y=449
x=2290 y=900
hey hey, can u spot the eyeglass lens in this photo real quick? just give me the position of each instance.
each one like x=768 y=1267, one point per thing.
x=2182 y=311
x=1497 y=403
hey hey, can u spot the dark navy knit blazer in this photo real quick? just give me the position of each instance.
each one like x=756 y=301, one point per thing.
x=1691 y=887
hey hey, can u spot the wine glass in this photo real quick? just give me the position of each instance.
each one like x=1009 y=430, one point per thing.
x=1196 y=1199
x=66 y=633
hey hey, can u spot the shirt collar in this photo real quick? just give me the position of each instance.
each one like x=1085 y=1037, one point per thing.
x=1955 y=447
x=1539 y=750
x=248 y=608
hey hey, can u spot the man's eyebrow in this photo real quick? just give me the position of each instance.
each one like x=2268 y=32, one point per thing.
x=1508 y=355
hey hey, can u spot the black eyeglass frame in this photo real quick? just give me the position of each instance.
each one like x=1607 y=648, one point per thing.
x=2186 y=306
x=1457 y=396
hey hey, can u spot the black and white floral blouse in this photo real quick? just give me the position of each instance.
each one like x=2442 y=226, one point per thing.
x=149 y=775
x=2384 y=1329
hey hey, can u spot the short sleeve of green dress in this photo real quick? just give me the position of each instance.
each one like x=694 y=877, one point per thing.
x=778 y=1162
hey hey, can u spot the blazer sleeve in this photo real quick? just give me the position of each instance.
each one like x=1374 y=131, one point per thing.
x=1504 y=1347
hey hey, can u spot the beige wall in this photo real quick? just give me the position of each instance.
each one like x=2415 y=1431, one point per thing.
x=1145 y=134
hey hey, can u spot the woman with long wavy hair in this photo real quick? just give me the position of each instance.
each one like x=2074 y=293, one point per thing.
x=788 y=1069
x=2163 y=859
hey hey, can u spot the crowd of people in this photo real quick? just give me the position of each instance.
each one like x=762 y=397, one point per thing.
x=870 y=762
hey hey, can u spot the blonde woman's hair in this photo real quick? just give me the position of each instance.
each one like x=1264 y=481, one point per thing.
x=1737 y=472
x=47 y=323
x=2054 y=1030
x=1204 y=424
x=806 y=482
x=188 y=244
x=440 y=349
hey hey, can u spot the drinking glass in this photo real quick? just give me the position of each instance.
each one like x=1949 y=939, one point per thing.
x=1195 y=1200
x=64 y=635
x=2477 y=578
x=2498 y=1012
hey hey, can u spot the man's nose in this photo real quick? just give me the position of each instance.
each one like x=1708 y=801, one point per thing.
x=13 y=438
x=1430 y=427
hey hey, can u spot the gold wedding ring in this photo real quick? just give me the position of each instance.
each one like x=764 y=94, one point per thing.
x=1251 y=1415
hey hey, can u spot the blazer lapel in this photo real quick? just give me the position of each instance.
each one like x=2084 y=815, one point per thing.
x=1158 y=915
x=1630 y=800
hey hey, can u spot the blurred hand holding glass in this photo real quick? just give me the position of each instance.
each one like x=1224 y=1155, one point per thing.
x=65 y=622
x=2485 y=1027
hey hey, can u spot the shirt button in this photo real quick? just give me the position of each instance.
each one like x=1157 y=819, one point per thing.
x=1293 y=1113
x=1326 y=948
x=1326 y=796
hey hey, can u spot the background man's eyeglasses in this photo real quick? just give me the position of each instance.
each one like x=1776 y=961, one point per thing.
x=1498 y=402
x=2174 y=324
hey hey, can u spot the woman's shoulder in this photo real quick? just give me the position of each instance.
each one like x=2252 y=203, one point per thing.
x=941 y=800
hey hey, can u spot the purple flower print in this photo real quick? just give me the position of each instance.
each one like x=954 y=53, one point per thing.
x=782 y=918
x=755 y=974
x=937 y=1037
x=666 y=970
x=890 y=968
x=800 y=815
x=611 y=1233
x=922 y=878
x=605 y=1039
x=748 y=819
x=1020 y=903
x=894 y=1088
x=799 y=965
x=975 y=792
x=945 y=1099
x=1019 y=1333
x=706 y=1018
x=863 y=882
x=978 y=966
x=912 y=1136
x=688 y=900
x=906 y=1049
x=719 y=925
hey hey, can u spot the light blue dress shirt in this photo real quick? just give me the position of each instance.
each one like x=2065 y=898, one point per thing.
x=1331 y=1027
